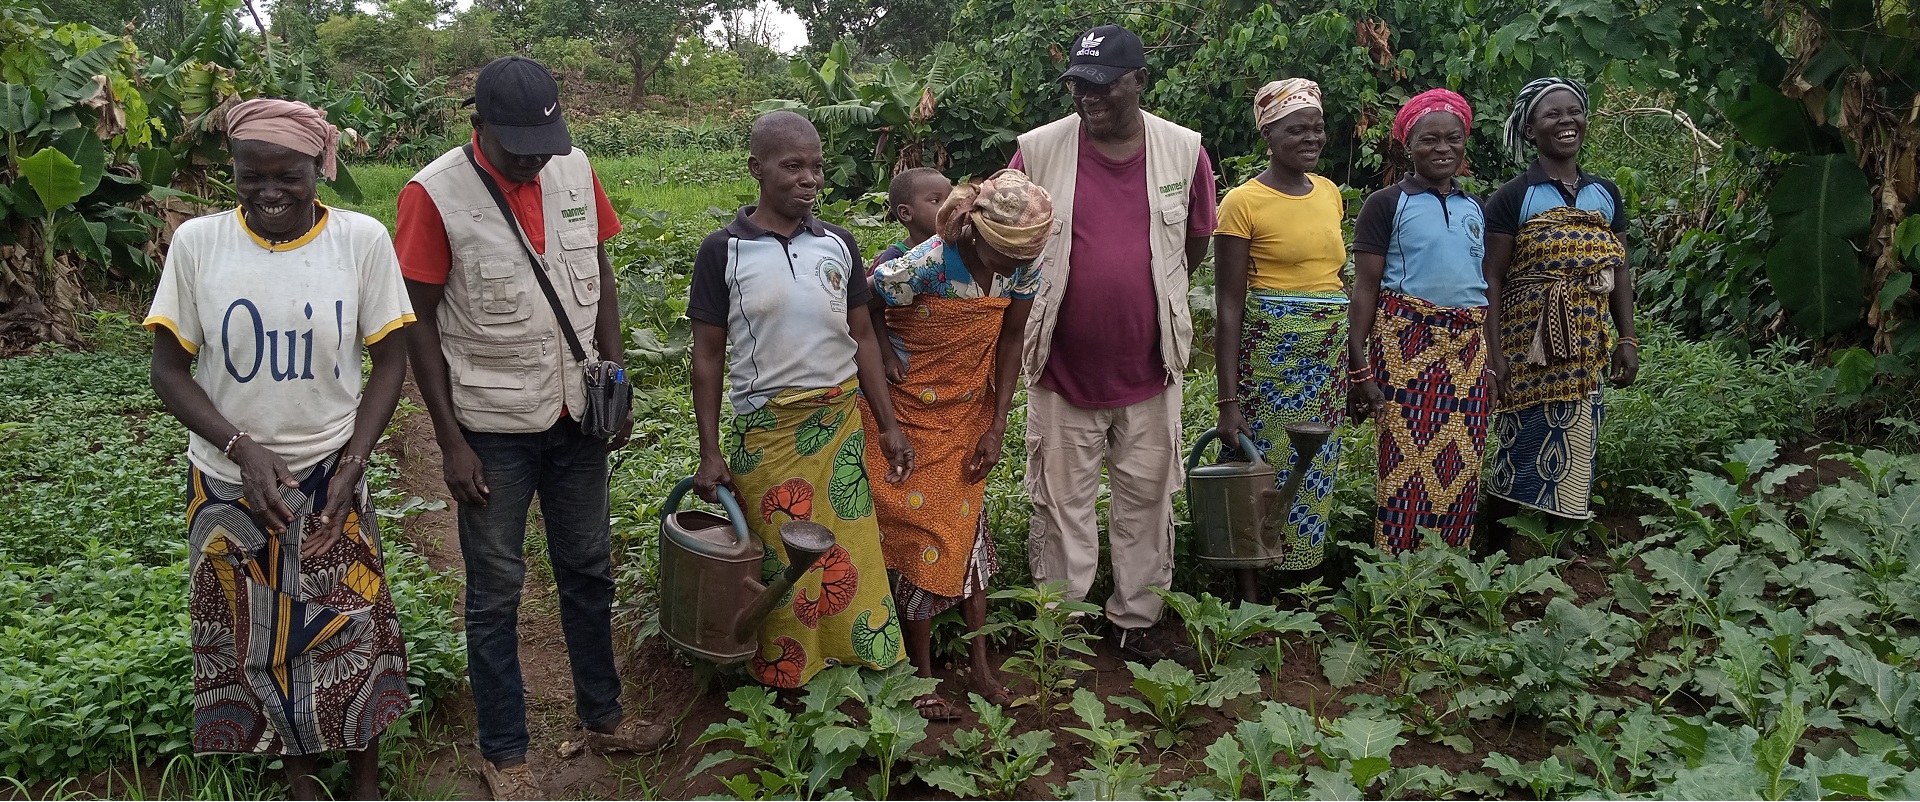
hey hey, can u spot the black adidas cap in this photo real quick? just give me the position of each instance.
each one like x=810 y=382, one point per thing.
x=519 y=100
x=1100 y=56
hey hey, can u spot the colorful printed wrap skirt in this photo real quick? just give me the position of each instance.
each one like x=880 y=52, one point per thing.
x=1554 y=332
x=1293 y=361
x=933 y=523
x=803 y=457
x=1548 y=455
x=1430 y=361
x=290 y=656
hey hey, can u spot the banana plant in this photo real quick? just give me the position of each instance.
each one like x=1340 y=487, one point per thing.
x=877 y=125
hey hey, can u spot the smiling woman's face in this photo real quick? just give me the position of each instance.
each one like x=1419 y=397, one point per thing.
x=277 y=186
x=1558 y=126
x=791 y=174
x=1295 y=141
x=1437 y=142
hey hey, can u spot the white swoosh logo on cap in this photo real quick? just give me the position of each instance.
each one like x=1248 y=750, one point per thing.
x=549 y=111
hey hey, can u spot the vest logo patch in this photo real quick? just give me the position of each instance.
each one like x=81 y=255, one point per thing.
x=1169 y=189
x=574 y=214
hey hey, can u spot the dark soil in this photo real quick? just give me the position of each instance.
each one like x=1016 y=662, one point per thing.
x=665 y=686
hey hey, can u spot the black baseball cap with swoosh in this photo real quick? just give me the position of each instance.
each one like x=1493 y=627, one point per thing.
x=519 y=100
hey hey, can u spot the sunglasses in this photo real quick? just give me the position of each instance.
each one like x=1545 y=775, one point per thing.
x=1079 y=88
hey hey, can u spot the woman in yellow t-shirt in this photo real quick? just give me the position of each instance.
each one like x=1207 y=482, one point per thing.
x=1282 y=309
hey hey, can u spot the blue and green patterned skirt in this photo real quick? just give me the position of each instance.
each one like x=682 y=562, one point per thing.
x=1293 y=361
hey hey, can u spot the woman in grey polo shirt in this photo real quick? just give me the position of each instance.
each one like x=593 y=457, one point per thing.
x=784 y=293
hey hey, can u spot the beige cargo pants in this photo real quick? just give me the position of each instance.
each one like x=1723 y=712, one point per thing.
x=1140 y=447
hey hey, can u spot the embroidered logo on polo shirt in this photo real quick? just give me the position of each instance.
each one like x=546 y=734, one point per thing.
x=833 y=277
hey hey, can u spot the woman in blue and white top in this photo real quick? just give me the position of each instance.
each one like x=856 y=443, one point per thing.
x=1557 y=267
x=1416 y=340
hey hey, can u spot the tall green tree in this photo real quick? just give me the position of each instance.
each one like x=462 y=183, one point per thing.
x=906 y=29
x=298 y=21
x=156 y=24
x=643 y=34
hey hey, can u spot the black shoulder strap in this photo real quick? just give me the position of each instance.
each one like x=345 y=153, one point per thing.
x=539 y=271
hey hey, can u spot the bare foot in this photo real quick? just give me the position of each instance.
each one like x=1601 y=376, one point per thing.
x=982 y=680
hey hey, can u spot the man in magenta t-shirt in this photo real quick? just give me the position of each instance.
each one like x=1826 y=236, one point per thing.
x=1113 y=333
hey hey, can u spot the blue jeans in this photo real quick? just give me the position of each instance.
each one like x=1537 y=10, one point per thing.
x=569 y=472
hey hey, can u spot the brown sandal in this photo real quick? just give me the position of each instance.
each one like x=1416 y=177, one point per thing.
x=934 y=707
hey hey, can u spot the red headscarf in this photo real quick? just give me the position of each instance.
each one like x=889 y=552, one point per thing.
x=1427 y=103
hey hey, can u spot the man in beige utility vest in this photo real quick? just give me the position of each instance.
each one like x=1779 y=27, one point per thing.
x=506 y=395
x=1135 y=196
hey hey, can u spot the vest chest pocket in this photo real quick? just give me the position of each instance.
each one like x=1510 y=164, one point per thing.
x=497 y=283
x=577 y=249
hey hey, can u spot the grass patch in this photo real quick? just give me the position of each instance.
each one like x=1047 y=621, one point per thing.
x=95 y=659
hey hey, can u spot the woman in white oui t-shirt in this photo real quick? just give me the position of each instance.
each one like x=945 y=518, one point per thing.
x=259 y=324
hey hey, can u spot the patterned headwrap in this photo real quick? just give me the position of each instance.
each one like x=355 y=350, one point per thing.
x=1427 y=103
x=1278 y=99
x=1009 y=211
x=289 y=124
x=1515 y=137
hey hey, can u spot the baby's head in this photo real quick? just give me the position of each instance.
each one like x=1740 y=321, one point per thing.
x=914 y=199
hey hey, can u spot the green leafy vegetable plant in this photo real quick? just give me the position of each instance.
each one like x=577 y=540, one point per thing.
x=1219 y=631
x=1056 y=639
x=1114 y=770
x=991 y=761
x=794 y=755
x=1172 y=694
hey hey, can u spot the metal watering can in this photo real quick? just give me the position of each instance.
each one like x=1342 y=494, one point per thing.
x=712 y=600
x=1237 y=513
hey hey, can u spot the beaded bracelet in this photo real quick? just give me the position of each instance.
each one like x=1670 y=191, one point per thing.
x=1232 y=399
x=355 y=459
x=233 y=441
x=1360 y=379
x=1633 y=341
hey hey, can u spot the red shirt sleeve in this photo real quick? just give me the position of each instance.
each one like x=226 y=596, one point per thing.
x=420 y=237
x=609 y=219
x=1203 y=205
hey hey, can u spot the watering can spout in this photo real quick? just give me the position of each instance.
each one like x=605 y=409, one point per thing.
x=806 y=543
x=1306 y=438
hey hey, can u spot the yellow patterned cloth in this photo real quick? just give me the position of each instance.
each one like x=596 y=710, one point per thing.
x=1553 y=306
x=783 y=456
x=1430 y=361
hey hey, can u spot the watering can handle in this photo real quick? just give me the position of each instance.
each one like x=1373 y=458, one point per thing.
x=1210 y=435
x=732 y=505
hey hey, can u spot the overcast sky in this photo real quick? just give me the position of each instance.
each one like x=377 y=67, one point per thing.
x=788 y=32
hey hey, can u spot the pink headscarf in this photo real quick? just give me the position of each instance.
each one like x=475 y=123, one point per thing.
x=1427 y=103
x=289 y=124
